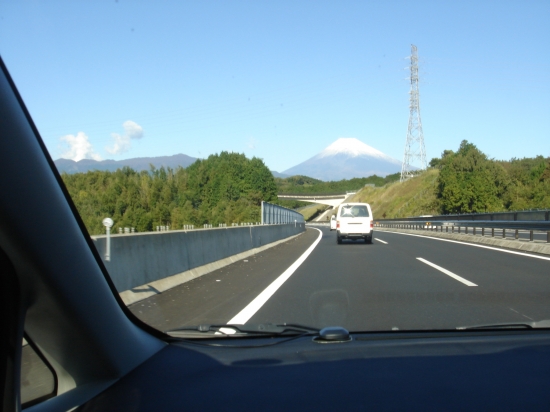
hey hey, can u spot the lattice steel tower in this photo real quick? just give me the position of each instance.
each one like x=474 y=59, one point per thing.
x=414 y=147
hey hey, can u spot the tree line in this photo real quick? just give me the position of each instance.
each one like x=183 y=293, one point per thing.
x=224 y=188
x=470 y=182
x=305 y=185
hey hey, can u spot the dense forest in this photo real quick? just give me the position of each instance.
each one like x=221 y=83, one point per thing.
x=225 y=188
x=470 y=182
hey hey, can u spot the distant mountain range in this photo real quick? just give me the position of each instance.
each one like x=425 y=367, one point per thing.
x=137 y=163
x=346 y=158
x=277 y=174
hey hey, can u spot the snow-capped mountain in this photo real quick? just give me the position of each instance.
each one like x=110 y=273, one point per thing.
x=346 y=158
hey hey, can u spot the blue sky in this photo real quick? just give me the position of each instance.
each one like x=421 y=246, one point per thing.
x=279 y=80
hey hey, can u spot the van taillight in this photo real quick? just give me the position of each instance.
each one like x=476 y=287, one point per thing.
x=337 y=224
x=371 y=224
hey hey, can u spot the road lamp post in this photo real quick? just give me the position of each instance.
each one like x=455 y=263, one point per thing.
x=108 y=223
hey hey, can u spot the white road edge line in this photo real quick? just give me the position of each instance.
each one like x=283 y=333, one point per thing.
x=380 y=240
x=472 y=244
x=244 y=315
x=448 y=273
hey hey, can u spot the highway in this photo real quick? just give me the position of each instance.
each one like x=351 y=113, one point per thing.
x=398 y=282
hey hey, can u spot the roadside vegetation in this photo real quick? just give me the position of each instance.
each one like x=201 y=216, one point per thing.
x=225 y=188
x=465 y=181
x=311 y=212
x=470 y=182
x=411 y=198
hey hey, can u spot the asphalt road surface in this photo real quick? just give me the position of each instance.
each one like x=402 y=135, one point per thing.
x=398 y=282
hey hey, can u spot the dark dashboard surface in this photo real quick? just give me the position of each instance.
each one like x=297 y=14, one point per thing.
x=403 y=371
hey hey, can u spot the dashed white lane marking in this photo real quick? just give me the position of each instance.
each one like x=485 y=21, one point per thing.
x=472 y=244
x=447 y=272
x=244 y=315
x=380 y=240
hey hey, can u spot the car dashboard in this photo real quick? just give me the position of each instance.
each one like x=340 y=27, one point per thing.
x=481 y=370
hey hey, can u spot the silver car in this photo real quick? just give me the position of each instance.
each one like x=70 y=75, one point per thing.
x=333 y=222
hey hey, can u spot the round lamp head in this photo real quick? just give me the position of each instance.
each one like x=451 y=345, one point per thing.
x=108 y=222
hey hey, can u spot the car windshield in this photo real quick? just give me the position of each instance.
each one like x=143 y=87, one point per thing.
x=354 y=211
x=208 y=147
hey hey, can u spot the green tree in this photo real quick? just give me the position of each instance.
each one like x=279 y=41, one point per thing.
x=224 y=188
x=530 y=183
x=469 y=182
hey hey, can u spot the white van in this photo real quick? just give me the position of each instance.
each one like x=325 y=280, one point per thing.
x=354 y=221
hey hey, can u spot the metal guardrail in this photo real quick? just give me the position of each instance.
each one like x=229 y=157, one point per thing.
x=456 y=226
x=275 y=214
x=520 y=215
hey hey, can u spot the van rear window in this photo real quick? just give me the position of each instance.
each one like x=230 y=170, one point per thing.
x=354 y=211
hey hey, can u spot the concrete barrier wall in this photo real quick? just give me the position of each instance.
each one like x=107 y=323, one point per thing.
x=140 y=258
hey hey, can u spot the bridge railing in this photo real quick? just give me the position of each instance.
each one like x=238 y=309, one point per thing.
x=275 y=214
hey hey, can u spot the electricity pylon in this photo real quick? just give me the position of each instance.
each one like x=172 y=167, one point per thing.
x=414 y=147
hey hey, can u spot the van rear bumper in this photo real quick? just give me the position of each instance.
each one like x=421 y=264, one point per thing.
x=354 y=235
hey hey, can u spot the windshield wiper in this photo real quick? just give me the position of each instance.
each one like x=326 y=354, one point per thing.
x=517 y=325
x=262 y=329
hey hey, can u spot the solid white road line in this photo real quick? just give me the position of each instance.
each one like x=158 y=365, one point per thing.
x=380 y=240
x=448 y=273
x=244 y=315
x=472 y=244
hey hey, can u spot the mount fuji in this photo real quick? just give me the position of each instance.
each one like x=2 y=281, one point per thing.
x=346 y=158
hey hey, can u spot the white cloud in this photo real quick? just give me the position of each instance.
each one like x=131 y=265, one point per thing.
x=252 y=143
x=123 y=143
x=79 y=148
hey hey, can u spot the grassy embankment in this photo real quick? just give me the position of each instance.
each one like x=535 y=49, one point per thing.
x=411 y=198
x=414 y=197
x=310 y=212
